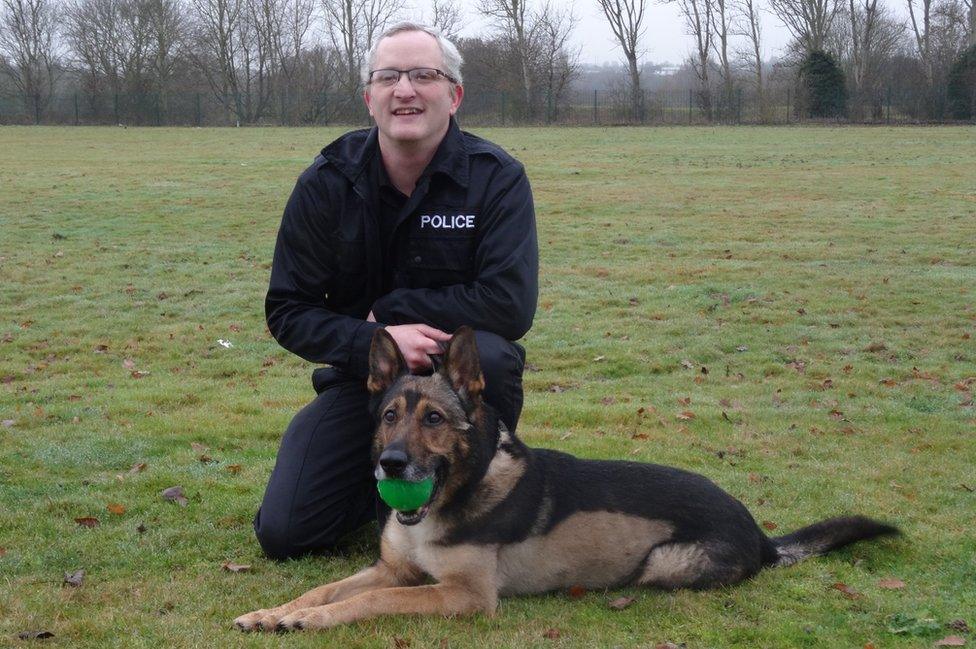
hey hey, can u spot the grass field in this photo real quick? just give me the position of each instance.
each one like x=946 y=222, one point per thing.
x=790 y=312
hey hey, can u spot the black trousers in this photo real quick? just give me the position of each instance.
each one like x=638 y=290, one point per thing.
x=322 y=486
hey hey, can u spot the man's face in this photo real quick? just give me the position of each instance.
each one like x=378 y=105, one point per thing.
x=412 y=114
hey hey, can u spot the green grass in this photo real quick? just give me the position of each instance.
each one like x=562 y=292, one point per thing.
x=824 y=279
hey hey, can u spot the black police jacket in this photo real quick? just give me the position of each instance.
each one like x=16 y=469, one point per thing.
x=463 y=253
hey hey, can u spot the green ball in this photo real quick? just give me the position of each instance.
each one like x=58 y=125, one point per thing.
x=404 y=495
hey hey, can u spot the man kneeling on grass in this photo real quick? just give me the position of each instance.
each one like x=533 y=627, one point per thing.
x=415 y=226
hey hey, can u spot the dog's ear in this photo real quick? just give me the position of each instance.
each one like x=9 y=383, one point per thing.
x=462 y=368
x=386 y=363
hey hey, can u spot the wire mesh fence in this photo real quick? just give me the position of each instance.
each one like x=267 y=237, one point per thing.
x=662 y=106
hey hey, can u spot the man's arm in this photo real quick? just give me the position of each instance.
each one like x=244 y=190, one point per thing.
x=502 y=297
x=301 y=275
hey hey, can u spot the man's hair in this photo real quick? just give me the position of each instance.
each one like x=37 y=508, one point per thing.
x=452 y=58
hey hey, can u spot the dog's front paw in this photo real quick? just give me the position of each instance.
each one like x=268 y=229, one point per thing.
x=306 y=618
x=263 y=620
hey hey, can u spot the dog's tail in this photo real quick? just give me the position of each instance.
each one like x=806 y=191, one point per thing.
x=825 y=536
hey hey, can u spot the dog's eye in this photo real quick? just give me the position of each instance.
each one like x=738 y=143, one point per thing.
x=434 y=418
x=389 y=416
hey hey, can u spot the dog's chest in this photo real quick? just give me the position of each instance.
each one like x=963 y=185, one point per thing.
x=420 y=545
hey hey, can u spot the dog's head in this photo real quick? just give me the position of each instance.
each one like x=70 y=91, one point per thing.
x=426 y=426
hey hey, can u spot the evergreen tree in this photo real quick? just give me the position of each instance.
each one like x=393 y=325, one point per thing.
x=822 y=89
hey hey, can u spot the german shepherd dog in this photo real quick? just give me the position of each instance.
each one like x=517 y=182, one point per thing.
x=505 y=519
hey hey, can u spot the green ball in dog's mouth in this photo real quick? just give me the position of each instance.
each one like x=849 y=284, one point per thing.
x=404 y=495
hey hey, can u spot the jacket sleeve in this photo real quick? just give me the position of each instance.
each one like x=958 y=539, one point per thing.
x=301 y=276
x=502 y=297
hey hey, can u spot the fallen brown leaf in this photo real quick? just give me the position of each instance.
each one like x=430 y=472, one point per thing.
x=138 y=467
x=608 y=401
x=139 y=374
x=576 y=591
x=876 y=347
x=205 y=459
x=35 y=635
x=400 y=643
x=951 y=641
x=3 y=550
x=230 y=566
x=684 y=401
x=891 y=584
x=959 y=625
x=234 y=468
x=849 y=592
x=621 y=603
x=116 y=508
x=551 y=634
x=769 y=525
x=75 y=578
x=175 y=494
x=199 y=448
x=87 y=521
x=686 y=415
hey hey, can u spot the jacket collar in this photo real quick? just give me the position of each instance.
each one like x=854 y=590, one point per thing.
x=352 y=153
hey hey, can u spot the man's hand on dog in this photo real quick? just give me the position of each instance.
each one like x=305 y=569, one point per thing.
x=416 y=342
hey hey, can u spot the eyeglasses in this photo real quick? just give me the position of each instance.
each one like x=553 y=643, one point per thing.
x=419 y=76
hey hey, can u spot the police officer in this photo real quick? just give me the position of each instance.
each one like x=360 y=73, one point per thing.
x=414 y=226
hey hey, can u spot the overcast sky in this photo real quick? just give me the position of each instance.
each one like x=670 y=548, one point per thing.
x=664 y=40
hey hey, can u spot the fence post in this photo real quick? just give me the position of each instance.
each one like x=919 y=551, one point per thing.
x=594 y=106
x=76 y=109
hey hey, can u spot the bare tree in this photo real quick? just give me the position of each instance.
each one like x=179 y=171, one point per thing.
x=29 y=54
x=626 y=18
x=722 y=31
x=289 y=30
x=558 y=63
x=808 y=21
x=748 y=26
x=920 y=13
x=513 y=21
x=970 y=22
x=229 y=47
x=167 y=27
x=446 y=16
x=88 y=32
x=352 y=26
x=873 y=37
x=698 y=22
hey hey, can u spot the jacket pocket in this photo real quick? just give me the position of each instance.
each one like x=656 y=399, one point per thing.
x=441 y=253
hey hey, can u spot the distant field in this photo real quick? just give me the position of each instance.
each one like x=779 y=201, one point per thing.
x=789 y=311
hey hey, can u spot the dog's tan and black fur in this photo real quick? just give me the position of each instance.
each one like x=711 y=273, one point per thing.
x=507 y=519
